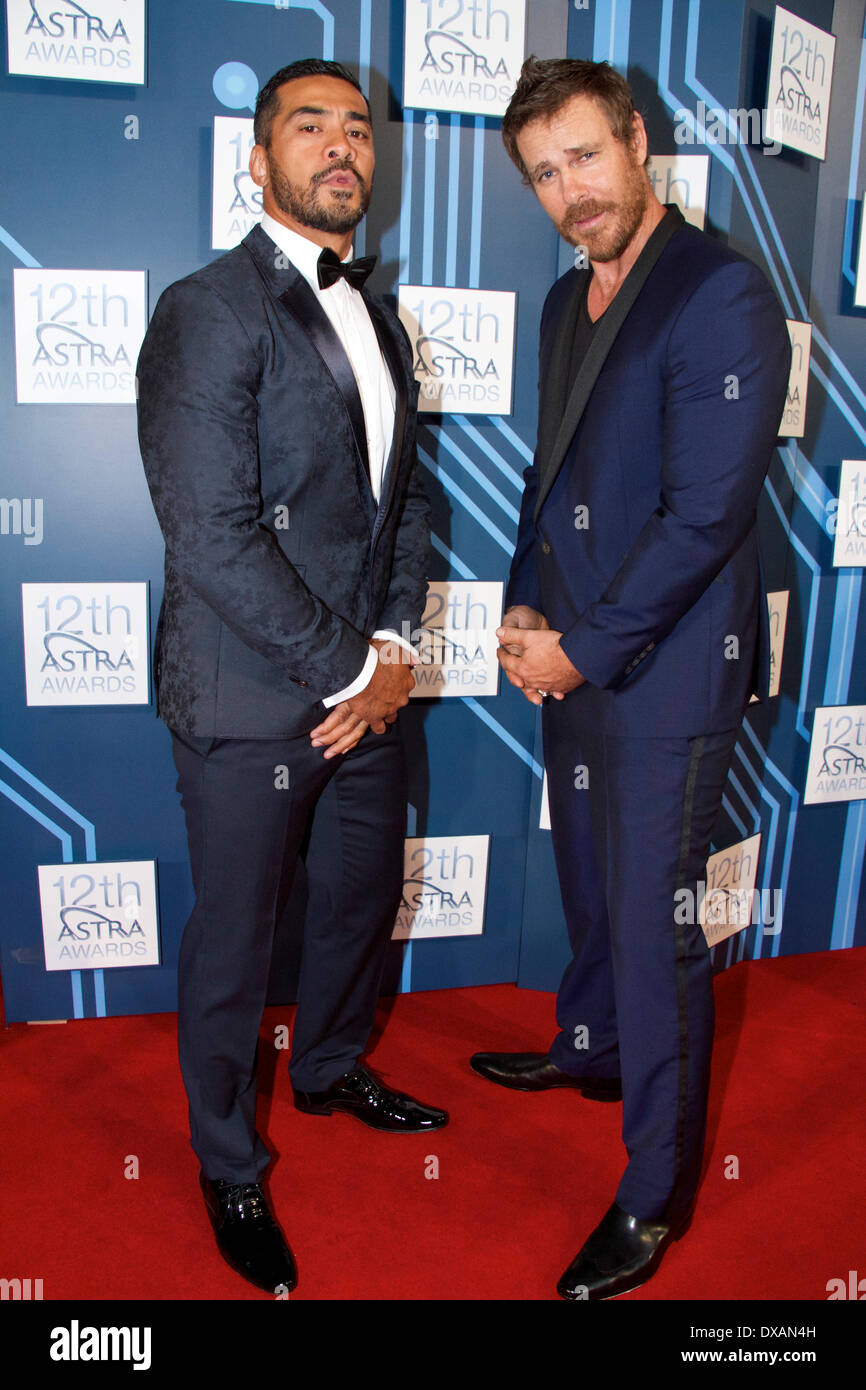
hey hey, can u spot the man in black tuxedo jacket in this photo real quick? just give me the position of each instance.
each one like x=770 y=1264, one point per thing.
x=277 y=411
x=636 y=612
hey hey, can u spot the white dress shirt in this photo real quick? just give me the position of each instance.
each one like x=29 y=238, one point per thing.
x=351 y=322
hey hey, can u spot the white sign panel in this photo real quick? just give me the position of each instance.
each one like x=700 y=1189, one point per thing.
x=86 y=644
x=99 y=916
x=544 y=809
x=78 y=334
x=463 y=343
x=457 y=639
x=463 y=55
x=729 y=903
x=100 y=42
x=849 y=547
x=237 y=201
x=793 y=423
x=778 y=606
x=798 y=90
x=837 y=755
x=682 y=179
x=860 y=285
x=444 y=886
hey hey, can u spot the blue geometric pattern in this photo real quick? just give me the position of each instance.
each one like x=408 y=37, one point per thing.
x=448 y=210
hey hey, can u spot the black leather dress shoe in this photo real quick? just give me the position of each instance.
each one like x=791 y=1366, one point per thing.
x=534 y=1071
x=361 y=1094
x=248 y=1237
x=622 y=1253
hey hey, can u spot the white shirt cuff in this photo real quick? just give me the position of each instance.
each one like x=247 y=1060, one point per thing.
x=385 y=635
x=366 y=675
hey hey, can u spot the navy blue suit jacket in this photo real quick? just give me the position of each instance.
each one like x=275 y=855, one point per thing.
x=637 y=536
x=279 y=564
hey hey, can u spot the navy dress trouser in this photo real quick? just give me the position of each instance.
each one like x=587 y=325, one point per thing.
x=631 y=820
x=245 y=829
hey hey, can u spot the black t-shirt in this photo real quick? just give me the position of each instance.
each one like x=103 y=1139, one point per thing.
x=583 y=336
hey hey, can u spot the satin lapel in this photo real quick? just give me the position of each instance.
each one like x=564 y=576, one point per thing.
x=554 y=368
x=601 y=345
x=308 y=312
x=397 y=368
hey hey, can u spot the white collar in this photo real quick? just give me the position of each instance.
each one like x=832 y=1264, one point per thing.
x=303 y=253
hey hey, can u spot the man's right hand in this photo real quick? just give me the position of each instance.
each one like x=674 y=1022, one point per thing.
x=521 y=615
x=388 y=690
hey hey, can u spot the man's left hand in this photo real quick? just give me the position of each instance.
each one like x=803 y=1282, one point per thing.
x=340 y=731
x=534 y=661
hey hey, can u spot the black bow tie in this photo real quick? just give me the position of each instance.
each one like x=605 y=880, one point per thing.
x=331 y=268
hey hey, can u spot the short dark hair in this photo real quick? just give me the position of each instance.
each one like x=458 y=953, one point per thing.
x=268 y=100
x=546 y=84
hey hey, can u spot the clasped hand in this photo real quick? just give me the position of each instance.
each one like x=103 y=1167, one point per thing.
x=531 y=657
x=375 y=707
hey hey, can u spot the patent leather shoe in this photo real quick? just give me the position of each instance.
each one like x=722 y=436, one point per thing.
x=534 y=1071
x=363 y=1095
x=622 y=1253
x=247 y=1234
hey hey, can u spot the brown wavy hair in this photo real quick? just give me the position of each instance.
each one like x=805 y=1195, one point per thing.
x=546 y=84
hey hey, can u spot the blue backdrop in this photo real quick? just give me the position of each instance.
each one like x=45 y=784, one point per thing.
x=86 y=783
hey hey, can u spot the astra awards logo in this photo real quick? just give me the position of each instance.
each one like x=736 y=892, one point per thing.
x=462 y=55
x=850 y=520
x=463 y=342
x=86 y=644
x=793 y=422
x=444 y=885
x=77 y=335
x=457 y=639
x=103 y=41
x=837 y=755
x=236 y=200
x=97 y=916
x=777 y=603
x=801 y=74
x=728 y=900
x=681 y=179
x=777 y=606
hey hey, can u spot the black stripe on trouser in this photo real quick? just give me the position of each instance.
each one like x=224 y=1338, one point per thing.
x=680 y=950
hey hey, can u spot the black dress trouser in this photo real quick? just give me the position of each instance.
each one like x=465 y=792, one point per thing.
x=247 y=804
x=632 y=819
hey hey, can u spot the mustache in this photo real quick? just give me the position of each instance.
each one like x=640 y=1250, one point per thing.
x=580 y=213
x=339 y=166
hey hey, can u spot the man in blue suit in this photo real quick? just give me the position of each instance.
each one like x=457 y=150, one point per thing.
x=636 y=613
x=277 y=427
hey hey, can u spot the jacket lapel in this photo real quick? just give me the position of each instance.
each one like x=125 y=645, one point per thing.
x=554 y=367
x=603 y=340
x=303 y=305
x=292 y=291
x=397 y=368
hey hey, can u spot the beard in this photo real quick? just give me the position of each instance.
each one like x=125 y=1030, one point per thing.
x=324 y=212
x=608 y=243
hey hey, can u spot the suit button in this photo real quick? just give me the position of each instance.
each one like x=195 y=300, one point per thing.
x=545 y=548
x=305 y=683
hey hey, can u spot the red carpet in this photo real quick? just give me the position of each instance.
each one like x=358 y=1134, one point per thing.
x=522 y=1178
